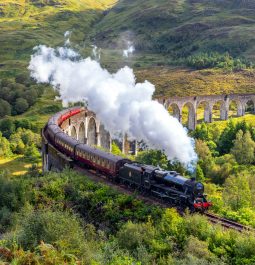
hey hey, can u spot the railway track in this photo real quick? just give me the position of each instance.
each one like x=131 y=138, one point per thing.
x=215 y=219
x=227 y=223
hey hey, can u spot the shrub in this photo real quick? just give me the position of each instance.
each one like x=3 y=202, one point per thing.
x=5 y=108
x=61 y=229
x=5 y=148
x=21 y=105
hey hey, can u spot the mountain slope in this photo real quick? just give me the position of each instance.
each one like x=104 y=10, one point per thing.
x=25 y=24
x=163 y=31
x=182 y=27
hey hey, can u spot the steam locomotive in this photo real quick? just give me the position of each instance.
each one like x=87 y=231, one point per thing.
x=168 y=185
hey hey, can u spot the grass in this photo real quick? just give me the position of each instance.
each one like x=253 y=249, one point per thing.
x=24 y=25
x=184 y=82
x=15 y=165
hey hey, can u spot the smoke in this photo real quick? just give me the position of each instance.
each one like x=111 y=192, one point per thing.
x=130 y=49
x=118 y=101
x=96 y=53
x=67 y=36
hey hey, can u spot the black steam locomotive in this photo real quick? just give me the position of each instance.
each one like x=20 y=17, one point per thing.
x=167 y=185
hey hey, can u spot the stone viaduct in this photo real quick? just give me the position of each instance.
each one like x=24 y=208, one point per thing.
x=87 y=128
x=208 y=102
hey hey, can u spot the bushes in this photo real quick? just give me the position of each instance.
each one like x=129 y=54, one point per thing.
x=25 y=142
x=16 y=96
x=21 y=105
x=60 y=229
x=13 y=196
x=5 y=108
x=5 y=148
x=9 y=126
x=217 y=60
x=47 y=230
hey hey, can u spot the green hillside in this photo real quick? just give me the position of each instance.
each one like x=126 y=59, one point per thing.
x=25 y=24
x=182 y=27
x=189 y=34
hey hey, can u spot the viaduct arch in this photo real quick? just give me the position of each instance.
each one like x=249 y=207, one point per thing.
x=209 y=103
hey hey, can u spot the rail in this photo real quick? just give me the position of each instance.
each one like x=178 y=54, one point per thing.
x=227 y=223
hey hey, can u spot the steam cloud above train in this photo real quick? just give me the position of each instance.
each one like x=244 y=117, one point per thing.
x=123 y=105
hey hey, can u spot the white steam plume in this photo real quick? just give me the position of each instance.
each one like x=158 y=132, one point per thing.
x=67 y=35
x=96 y=53
x=120 y=103
x=130 y=49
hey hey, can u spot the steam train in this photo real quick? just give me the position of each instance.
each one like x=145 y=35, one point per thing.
x=168 y=185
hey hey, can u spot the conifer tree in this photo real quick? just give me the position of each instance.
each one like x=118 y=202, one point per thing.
x=244 y=148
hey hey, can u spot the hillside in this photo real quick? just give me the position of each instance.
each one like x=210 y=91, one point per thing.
x=25 y=24
x=182 y=27
x=185 y=82
x=165 y=34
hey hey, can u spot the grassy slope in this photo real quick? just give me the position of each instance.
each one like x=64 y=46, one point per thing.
x=166 y=30
x=249 y=118
x=182 y=27
x=15 y=165
x=25 y=24
x=184 y=82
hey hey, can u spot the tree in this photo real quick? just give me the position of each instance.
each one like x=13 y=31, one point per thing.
x=200 y=174
x=21 y=105
x=7 y=127
x=201 y=132
x=203 y=150
x=5 y=149
x=115 y=149
x=25 y=142
x=32 y=154
x=226 y=141
x=30 y=96
x=5 y=108
x=222 y=168
x=237 y=193
x=158 y=158
x=244 y=148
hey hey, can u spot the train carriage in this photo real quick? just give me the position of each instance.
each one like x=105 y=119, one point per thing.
x=100 y=160
x=66 y=144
